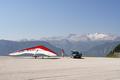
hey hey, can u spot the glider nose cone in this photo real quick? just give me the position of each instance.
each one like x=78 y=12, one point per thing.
x=10 y=54
x=13 y=54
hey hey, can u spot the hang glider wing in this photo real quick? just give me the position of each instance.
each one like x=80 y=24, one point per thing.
x=37 y=50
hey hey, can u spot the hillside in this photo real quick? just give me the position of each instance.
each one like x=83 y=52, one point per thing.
x=7 y=46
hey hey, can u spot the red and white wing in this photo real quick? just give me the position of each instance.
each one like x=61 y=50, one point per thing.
x=37 y=50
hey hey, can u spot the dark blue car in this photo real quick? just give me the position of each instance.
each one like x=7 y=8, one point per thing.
x=76 y=54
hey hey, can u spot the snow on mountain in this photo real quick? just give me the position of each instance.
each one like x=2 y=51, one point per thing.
x=101 y=36
x=86 y=37
x=82 y=43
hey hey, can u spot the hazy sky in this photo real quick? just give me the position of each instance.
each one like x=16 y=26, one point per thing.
x=32 y=19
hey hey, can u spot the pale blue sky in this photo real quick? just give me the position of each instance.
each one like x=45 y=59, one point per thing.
x=32 y=19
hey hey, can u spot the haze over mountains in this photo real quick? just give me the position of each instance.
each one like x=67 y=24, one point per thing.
x=85 y=37
x=89 y=44
x=97 y=44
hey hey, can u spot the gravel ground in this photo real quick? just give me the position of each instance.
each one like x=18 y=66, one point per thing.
x=89 y=68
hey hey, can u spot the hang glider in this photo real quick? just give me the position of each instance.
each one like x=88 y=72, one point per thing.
x=35 y=52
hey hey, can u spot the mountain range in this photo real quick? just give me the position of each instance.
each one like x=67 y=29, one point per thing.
x=88 y=44
x=85 y=37
x=97 y=44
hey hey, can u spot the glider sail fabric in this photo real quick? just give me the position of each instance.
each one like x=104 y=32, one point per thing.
x=37 y=50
